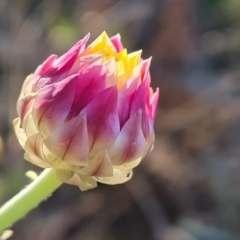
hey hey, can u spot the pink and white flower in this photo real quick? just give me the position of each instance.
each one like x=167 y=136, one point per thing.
x=89 y=113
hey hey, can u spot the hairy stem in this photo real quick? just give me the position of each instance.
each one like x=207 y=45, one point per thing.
x=28 y=198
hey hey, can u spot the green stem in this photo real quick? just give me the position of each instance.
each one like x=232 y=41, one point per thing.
x=28 y=198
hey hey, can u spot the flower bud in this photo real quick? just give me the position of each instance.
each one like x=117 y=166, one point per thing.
x=89 y=113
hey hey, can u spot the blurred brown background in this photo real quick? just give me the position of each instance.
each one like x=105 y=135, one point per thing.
x=188 y=188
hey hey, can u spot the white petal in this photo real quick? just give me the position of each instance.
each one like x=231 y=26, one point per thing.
x=30 y=127
x=21 y=135
x=119 y=176
x=35 y=160
x=130 y=165
x=99 y=166
x=83 y=182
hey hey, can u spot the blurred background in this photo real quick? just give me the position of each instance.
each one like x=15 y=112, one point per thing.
x=188 y=188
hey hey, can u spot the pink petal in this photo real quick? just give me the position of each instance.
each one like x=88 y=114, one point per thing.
x=154 y=103
x=116 y=41
x=85 y=62
x=78 y=48
x=100 y=166
x=43 y=70
x=130 y=143
x=46 y=67
x=69 y=141
x=149 y=114
x=140 y=100
x=124 y=99
x=53 y=103
x=147 y=82
x=145 y=65
x=90 y=83
x=102 y=120
x=62 y=65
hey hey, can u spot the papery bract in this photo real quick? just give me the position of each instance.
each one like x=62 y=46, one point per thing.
x=89 y=113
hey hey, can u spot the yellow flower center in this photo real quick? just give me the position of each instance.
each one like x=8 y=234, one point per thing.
x=125 y=63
